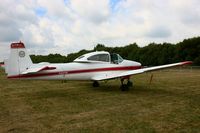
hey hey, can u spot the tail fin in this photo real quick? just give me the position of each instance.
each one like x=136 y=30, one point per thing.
x=19 y=59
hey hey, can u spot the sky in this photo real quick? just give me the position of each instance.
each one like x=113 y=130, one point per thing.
x=66 y=26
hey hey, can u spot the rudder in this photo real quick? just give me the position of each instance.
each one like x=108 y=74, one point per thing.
x=19 y=59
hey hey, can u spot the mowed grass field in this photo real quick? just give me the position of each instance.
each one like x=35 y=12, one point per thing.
x=171 y=103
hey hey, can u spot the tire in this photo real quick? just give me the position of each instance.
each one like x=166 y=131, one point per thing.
x=130 y=84
x=95 y=84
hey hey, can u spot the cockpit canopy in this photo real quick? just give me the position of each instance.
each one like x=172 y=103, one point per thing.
x=100 y=56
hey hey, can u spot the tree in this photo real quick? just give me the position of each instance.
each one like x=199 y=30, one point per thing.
x=152 y=54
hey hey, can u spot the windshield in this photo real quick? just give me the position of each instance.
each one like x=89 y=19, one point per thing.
x=116 y=58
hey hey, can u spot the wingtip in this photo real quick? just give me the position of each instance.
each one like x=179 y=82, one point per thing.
x=187 y=63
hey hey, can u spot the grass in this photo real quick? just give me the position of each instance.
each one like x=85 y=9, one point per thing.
x=171 y=103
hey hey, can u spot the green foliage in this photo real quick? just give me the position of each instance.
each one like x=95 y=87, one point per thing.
x=151 y=55
x=53 y=58
x=73 y=56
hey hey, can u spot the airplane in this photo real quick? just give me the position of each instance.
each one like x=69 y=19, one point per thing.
x=95 y=66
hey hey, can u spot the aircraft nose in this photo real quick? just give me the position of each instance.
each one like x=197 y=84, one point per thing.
x=133 y=63
x=139 y=65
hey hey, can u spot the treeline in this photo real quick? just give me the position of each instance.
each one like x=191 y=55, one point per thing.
x=153 y=54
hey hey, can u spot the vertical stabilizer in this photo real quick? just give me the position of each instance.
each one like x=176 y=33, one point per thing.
x=19 y=59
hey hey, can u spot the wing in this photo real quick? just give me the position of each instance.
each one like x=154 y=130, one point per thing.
x=36 y=69
x=138 y=71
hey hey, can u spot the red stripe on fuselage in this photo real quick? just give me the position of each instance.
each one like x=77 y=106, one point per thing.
x=104 y=69
x=75 y=72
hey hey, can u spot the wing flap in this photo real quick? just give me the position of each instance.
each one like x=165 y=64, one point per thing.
x=123 y=74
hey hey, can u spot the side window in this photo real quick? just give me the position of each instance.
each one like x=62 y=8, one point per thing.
x=94 y=58
x=80 y=57
x=100 y=57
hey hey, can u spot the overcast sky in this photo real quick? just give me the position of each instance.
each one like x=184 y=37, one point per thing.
x=65 y=26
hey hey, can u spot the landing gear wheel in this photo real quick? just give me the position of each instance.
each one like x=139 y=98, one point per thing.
x=130 y=84
x=124 y=87
x=95 y=84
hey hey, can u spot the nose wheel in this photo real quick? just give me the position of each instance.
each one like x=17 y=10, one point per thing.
x=126 y=86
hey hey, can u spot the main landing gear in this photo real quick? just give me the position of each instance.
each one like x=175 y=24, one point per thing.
x=95 y=84
x=125 y=87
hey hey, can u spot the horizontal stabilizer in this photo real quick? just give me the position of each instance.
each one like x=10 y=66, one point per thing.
x=37 y=69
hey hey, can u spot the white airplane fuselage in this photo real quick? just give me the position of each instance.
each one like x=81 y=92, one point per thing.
x=89 y=66
x=79 y=70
